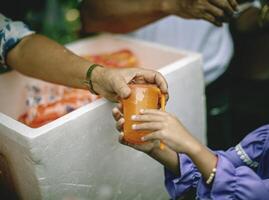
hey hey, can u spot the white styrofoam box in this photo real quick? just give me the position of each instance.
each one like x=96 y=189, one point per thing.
x=78 y=156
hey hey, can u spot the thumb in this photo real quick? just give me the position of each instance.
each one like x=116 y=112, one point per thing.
x=121 y=88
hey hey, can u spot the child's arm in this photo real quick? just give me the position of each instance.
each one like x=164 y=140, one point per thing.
x=174 y=135
x=237 y=175
x=166 y=156
x=168 y=129
x=177 y=168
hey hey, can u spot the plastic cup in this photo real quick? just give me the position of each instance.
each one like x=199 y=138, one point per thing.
x=143 y=96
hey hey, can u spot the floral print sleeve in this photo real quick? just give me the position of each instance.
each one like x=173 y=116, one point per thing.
x=11 y=32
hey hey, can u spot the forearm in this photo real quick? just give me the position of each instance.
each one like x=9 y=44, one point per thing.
x=166 y=157
x=122 y=15
x=203 y=158
x=42 y=58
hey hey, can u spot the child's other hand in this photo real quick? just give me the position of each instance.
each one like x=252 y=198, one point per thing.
x=147 y=147
x=118 y=116
x=166 y=128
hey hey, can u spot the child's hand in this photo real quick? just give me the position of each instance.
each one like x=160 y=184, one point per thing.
x=146 y=148
x=118 y=116
x=166 y=128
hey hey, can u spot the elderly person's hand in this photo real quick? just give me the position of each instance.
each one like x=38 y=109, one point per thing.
x=113 y=83
x=214 y=11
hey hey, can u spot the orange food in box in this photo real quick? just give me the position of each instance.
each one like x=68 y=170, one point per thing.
x=122 y=58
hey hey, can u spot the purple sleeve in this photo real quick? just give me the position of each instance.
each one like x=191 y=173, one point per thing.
x=249 y=151
x=234 y=183
x=253 y=146
x=189 y=177
x=236 y=176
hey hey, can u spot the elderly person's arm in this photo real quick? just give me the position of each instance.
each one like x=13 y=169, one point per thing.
x=39 y=57
x=120 y=16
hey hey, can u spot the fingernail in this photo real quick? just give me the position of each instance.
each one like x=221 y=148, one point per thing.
x=134 y=127
x=133 y=117
x=114 y=110
x=121 y=134
x=126 y=93
x=143 y=139
x=142 y=111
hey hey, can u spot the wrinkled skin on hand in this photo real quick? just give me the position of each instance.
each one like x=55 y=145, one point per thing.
x=113 y=83
x=214 y=11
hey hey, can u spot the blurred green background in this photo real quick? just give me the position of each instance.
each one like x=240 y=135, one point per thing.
x=59 y=20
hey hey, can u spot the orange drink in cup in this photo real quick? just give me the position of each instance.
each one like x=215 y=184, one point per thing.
x=143 y=96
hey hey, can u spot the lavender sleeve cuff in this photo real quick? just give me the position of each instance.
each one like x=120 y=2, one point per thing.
x=189 y=177
x=234 y=183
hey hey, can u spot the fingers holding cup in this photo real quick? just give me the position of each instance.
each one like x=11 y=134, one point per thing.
x=117 y=112
x=119 y=124
x=157 y=135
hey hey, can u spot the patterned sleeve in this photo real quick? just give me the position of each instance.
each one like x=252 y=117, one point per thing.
x=11 y=32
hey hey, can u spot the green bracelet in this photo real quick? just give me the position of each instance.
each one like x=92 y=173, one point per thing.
x=88 y=80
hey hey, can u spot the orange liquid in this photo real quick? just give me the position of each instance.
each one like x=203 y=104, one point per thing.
x=143 y=96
